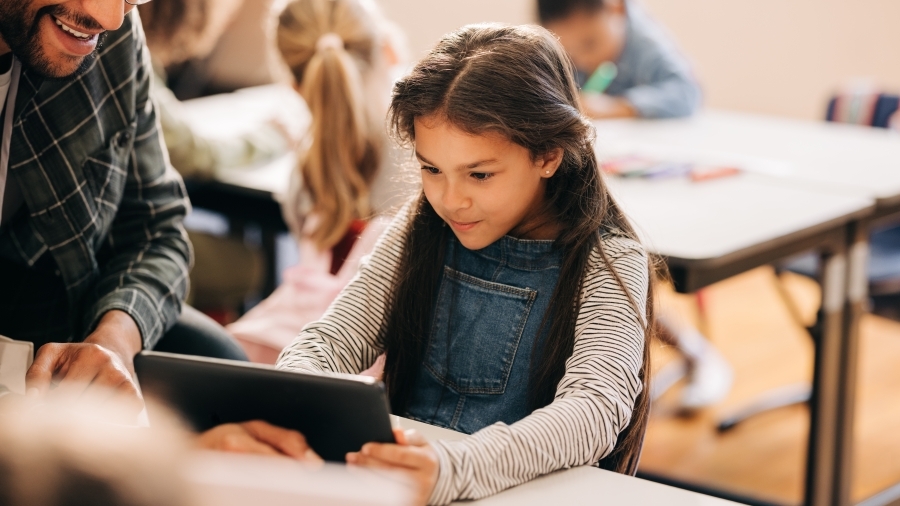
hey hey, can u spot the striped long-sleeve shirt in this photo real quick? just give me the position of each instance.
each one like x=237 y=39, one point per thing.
x=594 y=399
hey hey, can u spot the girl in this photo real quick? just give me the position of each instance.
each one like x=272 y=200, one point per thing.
x=341 y=54
x=510 y=297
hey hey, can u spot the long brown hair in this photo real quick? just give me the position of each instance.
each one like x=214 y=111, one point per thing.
x=341 y=162
x=518 y=82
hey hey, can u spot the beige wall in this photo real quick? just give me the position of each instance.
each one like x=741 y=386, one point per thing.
x=771 y=56
x=785 y=56
x=424 y=21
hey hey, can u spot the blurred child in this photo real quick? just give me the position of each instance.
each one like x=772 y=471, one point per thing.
x=179 y=30
x=341 y=54
x=652 y=79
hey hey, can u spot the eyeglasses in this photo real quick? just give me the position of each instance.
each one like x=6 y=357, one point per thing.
x=136 y=2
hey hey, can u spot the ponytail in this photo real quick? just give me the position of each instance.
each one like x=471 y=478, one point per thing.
x=327 y=44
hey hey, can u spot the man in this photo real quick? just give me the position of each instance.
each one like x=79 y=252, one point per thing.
x=93 y=256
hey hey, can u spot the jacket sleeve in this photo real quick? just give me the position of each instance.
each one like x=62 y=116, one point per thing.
x=673 y=94
x=663 y=83
x=146 y=257
x=198 y=156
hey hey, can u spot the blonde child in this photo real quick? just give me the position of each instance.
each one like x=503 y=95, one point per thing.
x=511 y=296
x=341 y=54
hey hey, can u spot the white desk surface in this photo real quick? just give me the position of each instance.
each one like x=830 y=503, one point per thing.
x=706 y=220
x=579 y=486
x=851 y=159
x=230 y=114
x=675 y=217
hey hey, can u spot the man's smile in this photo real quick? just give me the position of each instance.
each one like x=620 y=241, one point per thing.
x=84 y=35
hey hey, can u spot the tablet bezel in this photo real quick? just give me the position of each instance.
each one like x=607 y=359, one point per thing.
x=337 y=413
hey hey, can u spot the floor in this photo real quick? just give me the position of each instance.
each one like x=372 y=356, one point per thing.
x=748 y=320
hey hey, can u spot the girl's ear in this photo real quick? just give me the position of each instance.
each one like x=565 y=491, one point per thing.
x=549 y=162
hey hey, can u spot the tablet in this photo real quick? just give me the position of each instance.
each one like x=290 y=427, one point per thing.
x=337 y=413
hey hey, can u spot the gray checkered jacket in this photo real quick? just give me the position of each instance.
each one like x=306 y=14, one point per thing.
x=101 y=196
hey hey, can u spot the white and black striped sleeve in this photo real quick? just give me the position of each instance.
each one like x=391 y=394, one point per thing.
x=348 y=338
x=594 y=399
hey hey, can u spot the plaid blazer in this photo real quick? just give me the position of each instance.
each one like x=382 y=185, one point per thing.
x=100 y=193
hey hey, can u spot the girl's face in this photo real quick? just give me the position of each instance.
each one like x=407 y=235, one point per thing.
x=592 y=38
x=483 y=186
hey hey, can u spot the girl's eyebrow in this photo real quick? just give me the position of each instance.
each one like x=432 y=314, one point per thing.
x=473 y=165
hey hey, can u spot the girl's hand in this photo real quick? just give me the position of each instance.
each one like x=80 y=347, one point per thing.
x=602 y=106
x=258 y=437
x=412 y=454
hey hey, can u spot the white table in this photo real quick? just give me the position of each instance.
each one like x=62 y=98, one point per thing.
x=223 y=479
x=851 y=159
x=578 y=486
x=824 y=170
x=230 y=114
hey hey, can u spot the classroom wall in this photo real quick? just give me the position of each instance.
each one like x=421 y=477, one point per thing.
x=783 y=57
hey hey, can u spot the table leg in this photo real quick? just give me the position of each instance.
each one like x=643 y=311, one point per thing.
x=269 y=247
x=824 y=405
x=857 y=288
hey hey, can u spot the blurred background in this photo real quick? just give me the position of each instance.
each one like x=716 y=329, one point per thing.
x=766 y=56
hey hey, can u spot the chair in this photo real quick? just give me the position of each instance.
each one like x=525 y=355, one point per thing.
x=862 y=108
x=869 y=109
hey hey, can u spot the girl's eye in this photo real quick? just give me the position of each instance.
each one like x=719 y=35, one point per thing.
x=482 y=176
x=431 y=170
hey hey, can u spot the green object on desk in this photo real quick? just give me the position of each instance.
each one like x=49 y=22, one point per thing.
x=601 y=78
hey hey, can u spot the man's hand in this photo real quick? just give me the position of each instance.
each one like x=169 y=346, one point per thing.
x=102 y=366
x=258 y=437
x=602 y=106
x=412 y=455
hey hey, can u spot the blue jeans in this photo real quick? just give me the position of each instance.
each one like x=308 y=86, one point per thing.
x=197 y=334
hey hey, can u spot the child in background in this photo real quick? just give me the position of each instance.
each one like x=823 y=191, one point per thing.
x=180 y=30
x=177 y=31
x=341 y=54
x=511 y=297
x=652 y=79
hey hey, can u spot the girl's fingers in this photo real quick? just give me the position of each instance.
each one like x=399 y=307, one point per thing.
x=420 y=462
x=358 y=459
x=409 y=437
x=414 y=438
x=404 y=456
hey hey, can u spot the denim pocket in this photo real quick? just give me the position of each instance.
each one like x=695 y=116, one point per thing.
x=476 y=331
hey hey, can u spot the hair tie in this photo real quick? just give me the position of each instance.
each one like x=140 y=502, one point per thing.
x=329 y=40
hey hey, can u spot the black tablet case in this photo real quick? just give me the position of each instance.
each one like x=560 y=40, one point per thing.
x=336 y=414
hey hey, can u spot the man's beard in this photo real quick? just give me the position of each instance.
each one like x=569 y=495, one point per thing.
x=21 y=32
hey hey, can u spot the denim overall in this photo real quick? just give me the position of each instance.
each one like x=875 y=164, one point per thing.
x=487 y=315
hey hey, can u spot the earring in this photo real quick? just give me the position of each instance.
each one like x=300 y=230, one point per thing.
x=547 y=172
